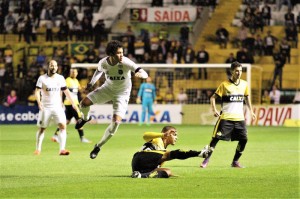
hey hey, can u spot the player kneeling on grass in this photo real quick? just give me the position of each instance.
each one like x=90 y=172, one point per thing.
x=147 y=162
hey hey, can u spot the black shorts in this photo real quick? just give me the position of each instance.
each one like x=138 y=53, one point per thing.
x=230 y=130
x=146 y=161
x=71 y=112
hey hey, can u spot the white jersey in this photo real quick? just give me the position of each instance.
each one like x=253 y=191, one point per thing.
x=51 y=88
x=118 y=77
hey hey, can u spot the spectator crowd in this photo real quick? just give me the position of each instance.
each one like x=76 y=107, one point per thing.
x=141 y=45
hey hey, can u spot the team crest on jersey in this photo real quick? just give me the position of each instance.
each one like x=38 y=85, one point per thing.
x=120 y=72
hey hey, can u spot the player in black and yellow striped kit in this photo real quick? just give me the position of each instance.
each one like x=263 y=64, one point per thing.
x=74 y=87
x=147 y=162
x=231 y=123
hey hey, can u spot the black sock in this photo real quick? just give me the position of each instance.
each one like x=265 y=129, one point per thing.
x=179 y=154
x=80 y=132
x=239 y=149
x=213 y=143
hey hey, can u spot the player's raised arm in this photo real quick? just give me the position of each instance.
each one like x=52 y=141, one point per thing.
x=152 y=135
x=96 y=76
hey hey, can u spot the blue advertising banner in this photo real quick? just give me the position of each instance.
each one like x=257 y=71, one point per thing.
x=20 y=114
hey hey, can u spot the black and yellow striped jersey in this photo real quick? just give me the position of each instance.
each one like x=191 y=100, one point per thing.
x=73 y=85
x=232 y=96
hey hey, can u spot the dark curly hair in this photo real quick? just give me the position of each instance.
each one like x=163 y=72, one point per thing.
x=235 y=65
x=112 y=47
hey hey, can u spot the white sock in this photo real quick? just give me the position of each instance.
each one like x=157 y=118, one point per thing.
x=62 y=137
x=109 y=132
x=107 y=135
x=39 y=140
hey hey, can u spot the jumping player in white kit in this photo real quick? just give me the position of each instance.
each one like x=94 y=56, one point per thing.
x=48 y=95
x=116 y=88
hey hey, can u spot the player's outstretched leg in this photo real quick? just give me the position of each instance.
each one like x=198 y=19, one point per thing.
x=206 y=152
x=84 y=116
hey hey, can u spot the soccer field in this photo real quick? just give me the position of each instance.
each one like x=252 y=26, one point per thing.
x=271 y=159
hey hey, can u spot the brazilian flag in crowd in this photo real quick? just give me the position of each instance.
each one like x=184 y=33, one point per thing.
x=79 y=49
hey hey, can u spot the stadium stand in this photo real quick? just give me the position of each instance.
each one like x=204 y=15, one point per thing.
x=116 y=17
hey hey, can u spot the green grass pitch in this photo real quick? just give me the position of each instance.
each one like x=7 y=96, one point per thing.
x=271 y=159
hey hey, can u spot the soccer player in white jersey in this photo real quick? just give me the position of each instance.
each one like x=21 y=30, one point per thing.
x=74 y=87
x=116 y=88
x=48 y=95
x=231 y=123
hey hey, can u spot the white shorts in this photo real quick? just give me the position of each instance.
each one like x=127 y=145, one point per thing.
x=104 y=94
x=57 y=114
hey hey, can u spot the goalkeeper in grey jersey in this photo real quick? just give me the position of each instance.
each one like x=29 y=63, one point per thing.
x=116 y=88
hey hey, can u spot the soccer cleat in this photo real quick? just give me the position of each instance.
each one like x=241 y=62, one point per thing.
x=204 y=163
x=37 y=152
x=236 y=164
x=55 y=138
x=136 y=174
x=84 y=140
x=64 y=152
x=94 y=152
x=80 y=122
x=206 y=152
